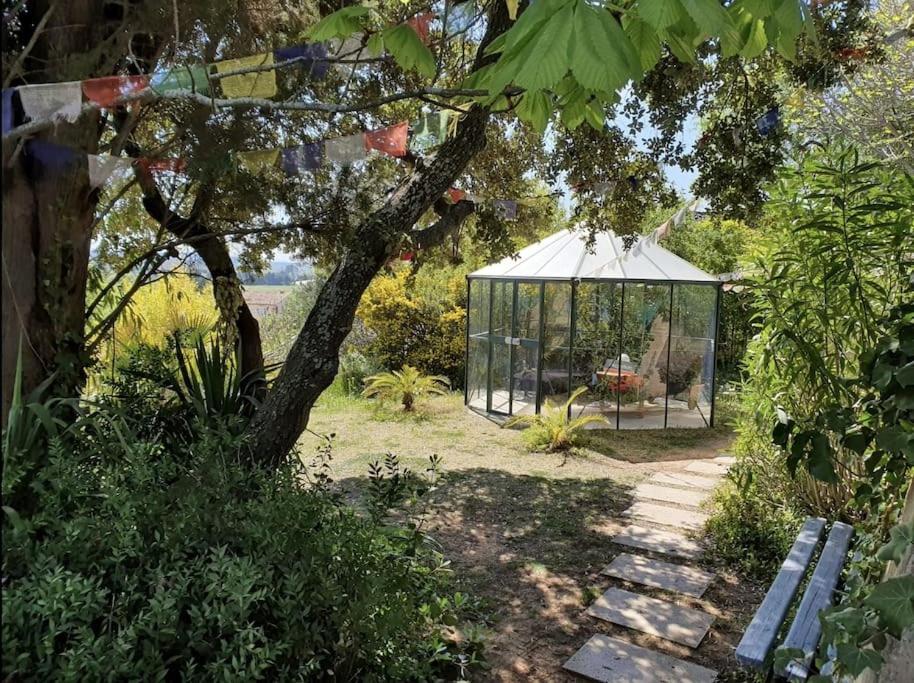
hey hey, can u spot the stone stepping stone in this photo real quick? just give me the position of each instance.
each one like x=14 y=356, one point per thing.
x=666 y=575
x=649 y=615
x=682 y=479
x=667 y=516
x=706 y=467
x=664 y=542
x=609 y=660
x=725 y=460
x=667 y=495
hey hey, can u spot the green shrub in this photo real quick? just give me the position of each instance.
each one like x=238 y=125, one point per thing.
x=747 y=533
x=136 y=562
x=355 y=367
x=405 y=386
x=553 y=430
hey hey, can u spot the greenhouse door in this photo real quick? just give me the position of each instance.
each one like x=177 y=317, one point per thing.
x=525 y=357
x=500 y=347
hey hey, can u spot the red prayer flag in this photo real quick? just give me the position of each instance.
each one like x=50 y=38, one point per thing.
x=158 y=165
x=390 y=140
x=419 y=24
x=456 y=195
x=105 y=92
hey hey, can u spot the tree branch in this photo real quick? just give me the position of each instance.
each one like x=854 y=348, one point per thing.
x=148 y=96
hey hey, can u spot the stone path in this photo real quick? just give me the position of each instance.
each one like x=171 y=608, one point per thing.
x=650 y=615
x=666 y=494
x=677 y=578
x=609 y=660
x=655 y=540
x=667 y=516
x=664 y=510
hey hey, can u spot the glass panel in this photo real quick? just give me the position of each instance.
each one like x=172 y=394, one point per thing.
x=641 y=365
x=556 y=335
x=500 y=372
x=595 y=348
x=501 y=375
x=479 y=307
x=502 y=302
x=526 y=354
x=692 y=355
x=478 y=351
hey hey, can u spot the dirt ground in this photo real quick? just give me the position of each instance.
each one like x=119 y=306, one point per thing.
x=530 y=532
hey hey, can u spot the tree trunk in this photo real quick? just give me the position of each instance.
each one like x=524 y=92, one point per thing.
x=47 y=222
x=313 y=360
x=215 y=255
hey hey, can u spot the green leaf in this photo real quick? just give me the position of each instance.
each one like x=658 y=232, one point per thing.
x=901 y=538
x=340 y=24
x=760 y=8
x=408 y=50
x=905 y=375
x=535 y=108
x=545 y=56
x=820 y=463
x=660 y=14
x=711 y=17
x=602 y=57
x=645 y=40
x=894 y=601
x=893 y=439
x=595 y=115
x=754 y=39
x=789 y=20
x=573 y=108
x=857 y=660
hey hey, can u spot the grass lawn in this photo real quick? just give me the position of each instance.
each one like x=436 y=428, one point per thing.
x=530 y=532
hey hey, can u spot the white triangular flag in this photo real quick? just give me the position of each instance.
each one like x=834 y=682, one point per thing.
x=103 y=166
x=52 y=100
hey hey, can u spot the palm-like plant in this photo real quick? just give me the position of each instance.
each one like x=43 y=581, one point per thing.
x=406 y=385
x=553 y=429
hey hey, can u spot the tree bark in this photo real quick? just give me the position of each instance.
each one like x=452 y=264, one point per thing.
x=215 y=255
x=47 y=220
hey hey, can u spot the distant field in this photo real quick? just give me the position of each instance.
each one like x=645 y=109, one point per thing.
x=267 y=288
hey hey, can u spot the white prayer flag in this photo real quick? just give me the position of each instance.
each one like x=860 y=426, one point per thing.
x=103 y=166
x=345 y=150
x=52 y=100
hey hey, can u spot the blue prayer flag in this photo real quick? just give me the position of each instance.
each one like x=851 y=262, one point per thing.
x=313 y=56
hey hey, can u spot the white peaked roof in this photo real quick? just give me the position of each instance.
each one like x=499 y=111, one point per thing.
x=565 y=256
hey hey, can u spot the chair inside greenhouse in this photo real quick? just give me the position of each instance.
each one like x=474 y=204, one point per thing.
x=637 y=328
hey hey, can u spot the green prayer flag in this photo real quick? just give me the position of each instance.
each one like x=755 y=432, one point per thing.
x=193 y=78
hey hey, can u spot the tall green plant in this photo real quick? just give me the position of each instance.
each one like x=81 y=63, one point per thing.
x=829 y=269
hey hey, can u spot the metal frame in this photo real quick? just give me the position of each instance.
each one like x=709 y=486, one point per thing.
x=572 y=333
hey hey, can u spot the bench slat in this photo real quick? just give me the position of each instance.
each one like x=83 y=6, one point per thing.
x=759 y=637
x=806 y=629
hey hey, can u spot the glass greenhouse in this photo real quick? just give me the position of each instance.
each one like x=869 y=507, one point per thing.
x=637 y=328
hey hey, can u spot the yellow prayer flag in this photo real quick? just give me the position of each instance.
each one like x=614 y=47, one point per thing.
x=256 y=161
x=260 y=84
x=512 y=9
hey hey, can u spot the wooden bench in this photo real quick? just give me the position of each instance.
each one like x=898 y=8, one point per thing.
x=756 y=648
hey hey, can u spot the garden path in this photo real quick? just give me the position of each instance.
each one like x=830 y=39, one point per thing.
x=663 y=511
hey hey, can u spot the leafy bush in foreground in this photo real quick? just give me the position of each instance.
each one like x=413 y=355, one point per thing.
x=135 y=562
